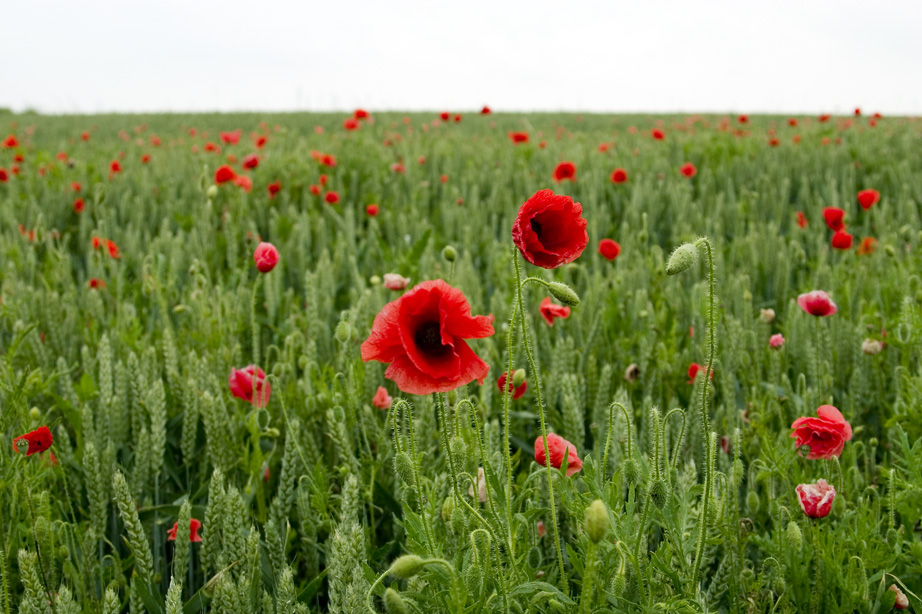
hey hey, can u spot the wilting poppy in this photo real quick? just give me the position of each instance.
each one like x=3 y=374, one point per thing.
x=688 y=169
x=331 y=197
x=834 y=218
x=817 y=303
x=551 y=311
x=34 y=442
x=619 y=175
x=550 y=230
x=250 y=384
x=801 y=219
x=194 y=526
x=251 y=161
x=825 y=435
x=422 y=335
x=395 y=281
x=516 y=391
x=518 y=137
x=274 y=188
x=609 y=249
x=382 y=400
x=842 y=239
x=867 y=246
x=558 y=447
x=816 y=499
x=868 y=198
x=112 y=249
x=224 y=174
x=266 y=257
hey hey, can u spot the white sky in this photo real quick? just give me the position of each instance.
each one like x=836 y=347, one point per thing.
x=783 y=56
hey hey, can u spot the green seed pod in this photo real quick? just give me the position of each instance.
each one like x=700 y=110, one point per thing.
x=406 y=566
x=597 y=522
x=518 y=378
x=894 y=539
x=752 y=501
x=403 y=464
x=683 y=257
x=394 y=603
x=374 y=280
x=449 y=253
x=659 y=493
x=631 y=471
x=448 y=509
x=563 y=293
x=473 y=578
x=458 y=452
x=534 y=557
x=795 y=536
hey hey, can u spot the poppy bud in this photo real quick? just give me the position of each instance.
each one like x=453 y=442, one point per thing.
x=631 y=471
x=563 y=293
x=343 y=331
x=659 y=493
x=339 y=414
x=619 y=583
x=518 y=378
x=683 y=257
x=795 y=536
x=394 y=603
x=212 y=191
x=894 y=538
x=534 y=557
x=448 y=508
x=449 y=253
x=458 y=451
x=597 y=521
x=34 y=413
x=406 y=566
x=752 y=502
x=768 y=315
x=890 y=250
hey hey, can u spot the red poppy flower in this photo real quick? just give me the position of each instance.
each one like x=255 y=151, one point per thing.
x=834 y=218
x=774 y=142
x=331 y=197
x=565 y=170
x=34 y=442
x=266 y=257
x=825 y=118
x=62 y=156
x=619 y=175
x=19 y=158
x=397 y=167
x=155 y=141
x=518 y=137
x=382 y=400
x=315 y=190
x=842 y=240
x=422 y=335
x=97 y=242
x=485 y=110
x=558 y=447
x=85 y=136
x=550 y=311
x=96 y=283
x=115 y=166
x=14 y=169
x=816 y=499
x=743 y=119
x=261 y=141
x=212 y=147
x=817 y=303
x=868 y=198
x=792 y=122
x=250 y=384
x=113 y=249
x=658 y=134
x=371 y=210
x=351 y=124
x=550 y=230
x=801 y=219
x=457 y=118
x=360 y=114
x=4 y=176
x=78 y=205
x=516 y=392
x=693 y=370
x=251 y=161
x=826 y=434
x=194 y=526
x=11 y=142
x=323 y=179
x=688 y=169
x=274 y=188
x=443 y=178
x=867 y=246
x=231 y=138
x=444 y=115
x=145 y=158
x=609 y=248
x=224 y=174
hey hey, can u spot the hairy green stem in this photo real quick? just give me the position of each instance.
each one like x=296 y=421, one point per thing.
x=611 y=428
x=507 y=401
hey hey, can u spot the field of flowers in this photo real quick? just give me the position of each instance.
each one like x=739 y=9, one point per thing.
x=460 y=362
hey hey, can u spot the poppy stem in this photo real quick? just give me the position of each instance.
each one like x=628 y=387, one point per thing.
x=507 y=400
x=611 y=427
x=253 y=321
x=547 y=453
x=408 y=413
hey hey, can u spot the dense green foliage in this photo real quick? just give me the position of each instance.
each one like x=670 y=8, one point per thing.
x=305 y=503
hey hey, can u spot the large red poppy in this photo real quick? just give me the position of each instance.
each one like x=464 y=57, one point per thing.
x=421 y=335
x=550 y=230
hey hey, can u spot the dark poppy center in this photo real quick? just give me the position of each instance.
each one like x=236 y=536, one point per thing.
x=536 y=226
x=429 y=339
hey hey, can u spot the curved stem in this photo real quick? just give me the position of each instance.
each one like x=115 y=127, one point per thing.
x=547 y=454
x=408 y=412
x=678 y=443
x=611 y=427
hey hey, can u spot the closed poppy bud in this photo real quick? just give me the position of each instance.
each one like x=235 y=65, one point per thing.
x=449 y=253
x=597 y=521
x=394 y=603
x=518 y=377
x=631 y=471
x=659 y=493
x=795 y=536
x=403 y=465
x=777 y=341
x=683 y=257
x=266 y=257
x=768 y=315
x=563 y=293
x=406 y=566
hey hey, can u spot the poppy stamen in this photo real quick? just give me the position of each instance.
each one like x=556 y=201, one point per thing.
x=428 y=338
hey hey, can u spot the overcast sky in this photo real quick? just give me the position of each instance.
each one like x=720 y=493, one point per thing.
x=195 y=55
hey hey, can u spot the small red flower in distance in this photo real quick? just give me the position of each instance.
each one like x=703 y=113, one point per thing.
x=145 y=158
x=485 y=110
x=518 y=137
x=194 y=526
x=565 y=170
x=817 y=303
x=251 y=161
x=825 y=435
x=19 y=158
x=792 y=122
x=261 y=141
x=658 y=134
x=743 y=119
x=244 y=182
x=331 y=197
x=155 y=141
x=774 y=142
x=693 y=370
x=801 y=219
x=85 y=136
x=371 y=209
x=816 y=499
x=443 y=178
x=558 y=447
x=11 y=142
x=75 y=186
x=97 y=242
x=115 y=166
x=315 y=190
x=266 y=257
x=858 y=112
x=4 y=176
x=609 y=248
x=421 y=159
x=542 y=144
x=34 y=442
x=776 y=341
x=382 y=400
x=224 y=174
x=422 y=335
x=78 y=205
x=62 y=156
x=274 y=188
x=444 y=115
x=825 y=118
x=619 y=175
x=834 y=218
x=867 y=246
x=868 y=198
x=360 y=114
x=842 y=239
x=351 y=124
x=95 y=283
x=550 y=230
x=250 y=384
x=457 y=118
x=688 y=169
x=397 y=167
x=15 y=169
x=550 y=311
x=516 y=392
x=231 y=138
x=323 y=179
x=112 y=249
